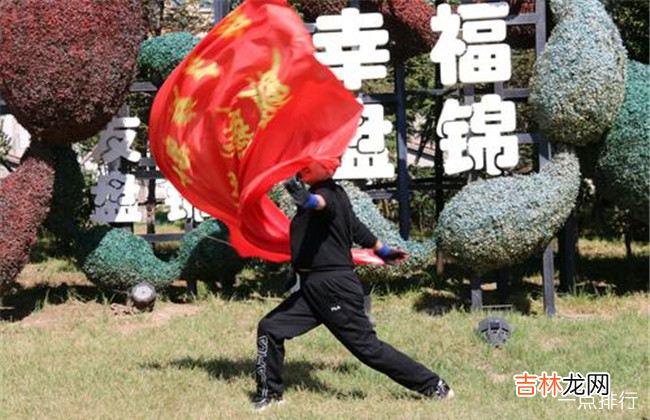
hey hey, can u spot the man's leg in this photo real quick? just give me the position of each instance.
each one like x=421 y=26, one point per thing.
x=338 y=299
x=291 y=318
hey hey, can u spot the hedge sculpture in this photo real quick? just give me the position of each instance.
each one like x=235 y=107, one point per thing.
x=493 y=223
x=24 y=202
x=116 y=259
x=623 y=167
x=159 y=56
x=65 y=69
x=66 y=66
x=205 y=254
x=579 y=79
x=421 y=253
x=201 y=255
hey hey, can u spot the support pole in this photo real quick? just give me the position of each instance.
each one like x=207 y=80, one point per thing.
x=567 y=238
x=547 y=259
x=402 y=169
x=477 y=294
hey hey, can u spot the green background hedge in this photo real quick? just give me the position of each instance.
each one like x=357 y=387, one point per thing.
x=623 y=167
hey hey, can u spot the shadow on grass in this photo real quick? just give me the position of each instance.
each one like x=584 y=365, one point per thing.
x=595 y=276
x=618 y=275
x=22 y=302
x=297 y=374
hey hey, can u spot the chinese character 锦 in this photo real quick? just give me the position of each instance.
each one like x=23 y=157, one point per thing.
x=490 y=148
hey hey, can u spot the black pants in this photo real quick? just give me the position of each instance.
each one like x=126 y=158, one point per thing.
x=336 y=300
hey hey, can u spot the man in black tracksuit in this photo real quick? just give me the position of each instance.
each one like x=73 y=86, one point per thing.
x=322 y=234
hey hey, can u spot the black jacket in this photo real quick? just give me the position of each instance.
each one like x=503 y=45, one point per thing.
x=321 y=240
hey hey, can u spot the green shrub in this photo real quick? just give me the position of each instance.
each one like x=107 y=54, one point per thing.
x=116 y=259
x=579 y=79
x=159 y=56
x=631 y=17
x=623 y=167
x=494 y=223
x=205 y=254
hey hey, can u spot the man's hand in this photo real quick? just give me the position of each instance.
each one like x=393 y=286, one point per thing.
x=391 y=255
x=299 y=193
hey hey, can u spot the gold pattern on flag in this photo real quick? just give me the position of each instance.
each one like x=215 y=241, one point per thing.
x=233 y=25
x=200 y=68
x=183 y=108
x=238 y=135
x=180 y=156
x=234 y=184
x=268 y=93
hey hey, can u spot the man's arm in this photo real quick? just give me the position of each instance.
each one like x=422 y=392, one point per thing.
x=361 y=234
x=302 y=197
x=364 y=237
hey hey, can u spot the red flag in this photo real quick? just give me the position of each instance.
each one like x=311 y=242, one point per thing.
x=247 y=108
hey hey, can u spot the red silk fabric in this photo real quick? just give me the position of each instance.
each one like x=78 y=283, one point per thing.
x=249 y=107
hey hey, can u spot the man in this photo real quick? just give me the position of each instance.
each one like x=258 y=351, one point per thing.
x=328 y=292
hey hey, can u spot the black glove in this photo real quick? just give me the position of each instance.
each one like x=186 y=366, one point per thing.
x=297 y=190
x=391 y=255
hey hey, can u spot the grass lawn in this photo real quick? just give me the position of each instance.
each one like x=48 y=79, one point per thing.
x=67 y=353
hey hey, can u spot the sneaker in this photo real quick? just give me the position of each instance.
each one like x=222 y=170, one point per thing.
x=262 y=403
x=442 y=391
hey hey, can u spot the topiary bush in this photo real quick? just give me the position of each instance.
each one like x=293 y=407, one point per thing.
x=118 y=260
x=68 y=214
x=623 y=167
x=579 y=79
x=205 y=255
x=159 y=56
x=65 y=69
x=66 y=66
x=315 y=8
x=631 y=17
x=494 y=223
x=24 y=202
